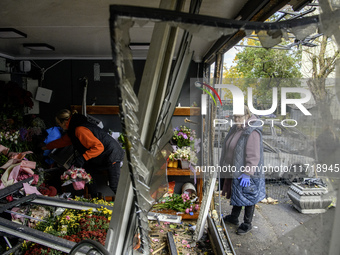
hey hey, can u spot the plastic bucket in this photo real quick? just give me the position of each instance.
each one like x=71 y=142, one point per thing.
x=189 y=188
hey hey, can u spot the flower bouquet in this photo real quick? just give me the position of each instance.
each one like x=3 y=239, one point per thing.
x=185 y=155
x=77 y=176
x=179 y=203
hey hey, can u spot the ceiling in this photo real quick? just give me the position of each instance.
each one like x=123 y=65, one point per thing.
x=80 y=29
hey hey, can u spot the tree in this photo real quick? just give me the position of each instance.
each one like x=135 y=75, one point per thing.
x=323 y=61
x=264 y=69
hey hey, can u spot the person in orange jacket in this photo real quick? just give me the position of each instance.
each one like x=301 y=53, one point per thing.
x=98 y=151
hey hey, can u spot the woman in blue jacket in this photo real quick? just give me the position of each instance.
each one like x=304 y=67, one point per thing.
x=242 y=150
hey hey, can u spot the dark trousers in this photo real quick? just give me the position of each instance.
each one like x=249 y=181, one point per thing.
x=248 y=213
x=98 y=173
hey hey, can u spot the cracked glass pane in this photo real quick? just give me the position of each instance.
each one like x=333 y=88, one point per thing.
x=148 y=167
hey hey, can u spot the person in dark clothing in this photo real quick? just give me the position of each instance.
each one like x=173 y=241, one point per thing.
x=327 y=145
x=242 y=150
x=98 y=151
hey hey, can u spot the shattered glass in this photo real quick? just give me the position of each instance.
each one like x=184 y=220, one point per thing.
x=302 y=32
x=269 y=40
x=209 y=33
x=149 y=169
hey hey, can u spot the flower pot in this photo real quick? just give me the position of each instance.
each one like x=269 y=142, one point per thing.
x=79 y=185
x=185 y=164
x=309 y=199
x=173 y=163
x=189 y=188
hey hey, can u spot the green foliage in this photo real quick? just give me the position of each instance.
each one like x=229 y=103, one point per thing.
x=73 y=225
x=121 y=140
x=3 y=160
x=176 y=202
x=183 y=136
x=263 y=69
x=262 y=63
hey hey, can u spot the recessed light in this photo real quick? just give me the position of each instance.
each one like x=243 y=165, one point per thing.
x=11 y=33
x=39 y=46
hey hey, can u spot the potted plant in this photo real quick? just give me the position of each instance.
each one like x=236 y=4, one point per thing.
x=187 y=157
x=183 y=136
x=310 y=196
x=185 y=147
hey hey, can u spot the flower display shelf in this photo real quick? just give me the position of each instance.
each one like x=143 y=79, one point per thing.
x=183 y=215
x=309 y=199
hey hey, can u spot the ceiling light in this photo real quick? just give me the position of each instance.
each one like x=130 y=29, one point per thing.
x=139 y=46
x=39 y=46
x=11 y=33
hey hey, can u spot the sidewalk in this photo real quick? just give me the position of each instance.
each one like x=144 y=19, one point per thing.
x=281 y=229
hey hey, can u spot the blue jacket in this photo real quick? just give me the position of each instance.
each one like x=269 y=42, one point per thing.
x=246 y=196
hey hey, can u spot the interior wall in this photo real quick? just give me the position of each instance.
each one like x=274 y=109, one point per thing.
x=65 y=80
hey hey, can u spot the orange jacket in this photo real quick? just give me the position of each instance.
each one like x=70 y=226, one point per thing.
x=87 y=139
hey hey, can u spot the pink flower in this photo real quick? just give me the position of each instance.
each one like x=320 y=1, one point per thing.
x=74 y=176
x=187 y=211
x=184 y=241
x=197 y=207
x=68 y=217
x=188 y=245
x=36 y=179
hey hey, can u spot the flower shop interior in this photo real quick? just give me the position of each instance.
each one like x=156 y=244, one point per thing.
x=137 y=70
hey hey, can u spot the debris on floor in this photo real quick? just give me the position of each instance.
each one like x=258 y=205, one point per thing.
x=270 y=200
x=183 y=237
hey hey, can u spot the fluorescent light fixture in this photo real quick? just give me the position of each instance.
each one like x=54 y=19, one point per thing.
x=204 y=98
x=11 y=33
x=139 y=46
x=39 y=46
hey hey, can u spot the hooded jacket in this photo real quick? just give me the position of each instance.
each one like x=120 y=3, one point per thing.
x=96 y=146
